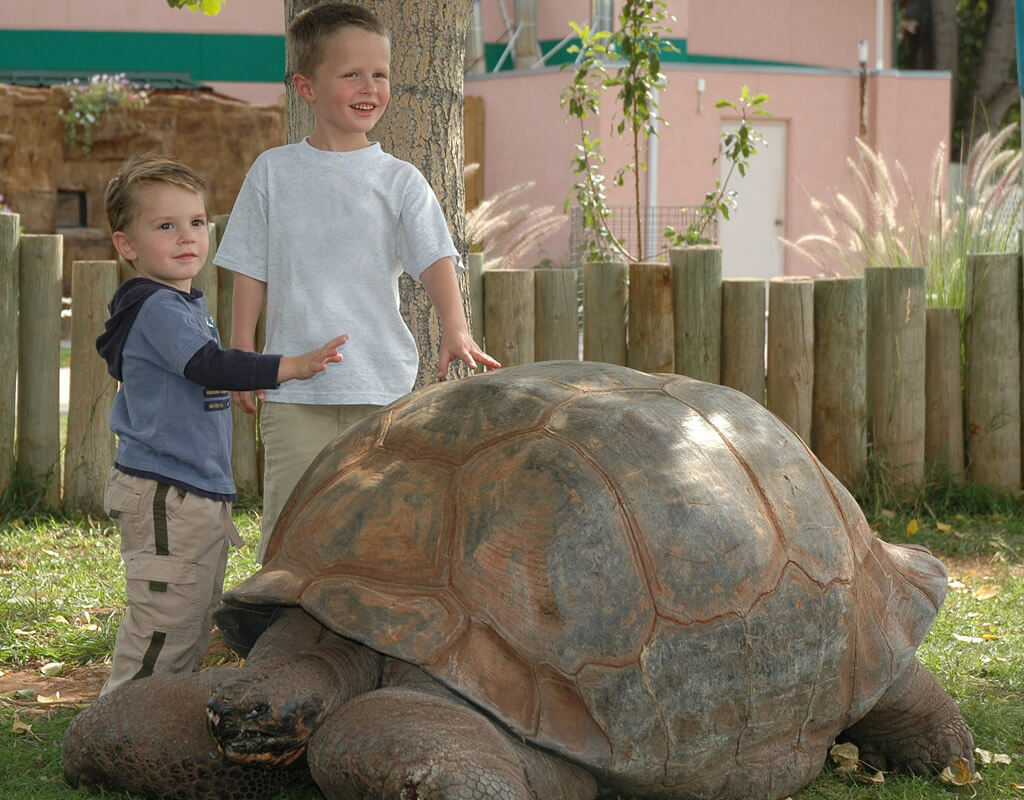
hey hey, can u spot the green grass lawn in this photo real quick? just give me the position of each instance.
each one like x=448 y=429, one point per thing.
x=62 y=588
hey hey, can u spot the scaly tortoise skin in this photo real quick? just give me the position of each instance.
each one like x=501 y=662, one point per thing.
x=564 y=578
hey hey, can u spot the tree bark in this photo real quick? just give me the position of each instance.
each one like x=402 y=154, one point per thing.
x=994 y=88
x=423 y=125
x=945 y=33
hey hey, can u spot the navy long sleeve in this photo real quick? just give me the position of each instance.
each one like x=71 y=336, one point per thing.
x=232 y=370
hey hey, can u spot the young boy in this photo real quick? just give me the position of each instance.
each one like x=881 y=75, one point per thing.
x=171 y=488
x=321 y=231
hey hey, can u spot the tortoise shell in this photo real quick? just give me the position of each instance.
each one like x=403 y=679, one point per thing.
x=647 y=574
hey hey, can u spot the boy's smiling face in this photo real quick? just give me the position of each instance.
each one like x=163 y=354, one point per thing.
x=349 y=89
x=167 y=239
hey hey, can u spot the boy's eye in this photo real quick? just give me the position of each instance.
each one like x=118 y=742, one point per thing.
x=166 y=226
x=199 y=223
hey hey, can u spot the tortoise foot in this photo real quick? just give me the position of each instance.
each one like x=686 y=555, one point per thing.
x=148 y=737
x=916 y=727
x=398 y=743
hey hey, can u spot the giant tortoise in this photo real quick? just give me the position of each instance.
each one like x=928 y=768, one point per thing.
x=550 y=582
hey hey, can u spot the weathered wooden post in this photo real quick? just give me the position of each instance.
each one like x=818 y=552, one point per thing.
x=605 y=304
x=206 y=279
x=475 y=282
x=651 y=332
x=896 y=372
x=697 y=278
x=509 y=315
x=790 y=370
x=89 y=453
x=244 y=448
x=10 y=270
x=992 y=346
x=38 y=464
x=839 y=404
x=743 y=335
x=556 y=315
x=943 y=393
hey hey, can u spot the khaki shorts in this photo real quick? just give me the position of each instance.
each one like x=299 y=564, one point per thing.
x=175 y=547
x=293 y=434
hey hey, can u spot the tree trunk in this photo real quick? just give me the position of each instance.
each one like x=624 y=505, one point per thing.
x=994 y=88
x=423 y=125
x=945 y=31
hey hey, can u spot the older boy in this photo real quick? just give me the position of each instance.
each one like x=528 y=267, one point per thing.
x=171 y=487
x=321 y=231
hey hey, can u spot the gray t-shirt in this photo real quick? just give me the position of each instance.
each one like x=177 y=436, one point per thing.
x=329 y=233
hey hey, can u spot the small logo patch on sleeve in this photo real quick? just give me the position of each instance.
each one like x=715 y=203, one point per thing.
x=216 y=400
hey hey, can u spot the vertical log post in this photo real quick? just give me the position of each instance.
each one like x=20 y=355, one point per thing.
x=651 y=333
x=10 y=271
x=556 y=315
x=944 y=408
x=509 y=315
x=244 y=449
x=839 y=404
x=896 y=372
x=89 y=453
x=697 y=278
x=743 y=335
x=605 y=300
x=992 y=345
x=475 y=283
x=790 y=371
x=206 y=279
x=38 y=464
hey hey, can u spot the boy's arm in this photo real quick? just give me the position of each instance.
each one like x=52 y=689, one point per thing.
x=456 y=342
x=246 y=304
x=241 y=370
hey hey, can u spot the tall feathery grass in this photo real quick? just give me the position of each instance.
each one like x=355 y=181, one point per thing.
x=505 y=230
x=882 y=223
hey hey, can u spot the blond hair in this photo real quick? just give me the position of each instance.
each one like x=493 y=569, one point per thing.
x=122 y=195
x=308 y=31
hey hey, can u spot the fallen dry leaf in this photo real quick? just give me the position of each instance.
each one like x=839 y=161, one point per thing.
x=846 y=755
x=20 y=727
x=959 y=774
x=48 y=698
x=944 y=527
x=912 y=527
x=986 y=592
x=53 y=669
x=968 y=639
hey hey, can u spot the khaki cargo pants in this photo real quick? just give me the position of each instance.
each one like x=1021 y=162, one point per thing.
x=175 y=546
x=292 y=435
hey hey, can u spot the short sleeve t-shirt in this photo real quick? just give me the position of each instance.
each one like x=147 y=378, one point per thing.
x=330 y=233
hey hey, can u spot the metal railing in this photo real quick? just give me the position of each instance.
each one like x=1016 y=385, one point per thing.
x=622 y=225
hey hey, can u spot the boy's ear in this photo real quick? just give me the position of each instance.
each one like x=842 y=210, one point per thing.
x=123 y=246
x=303 y=87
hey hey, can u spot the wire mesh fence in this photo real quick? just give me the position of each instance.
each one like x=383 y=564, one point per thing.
x=622 y=225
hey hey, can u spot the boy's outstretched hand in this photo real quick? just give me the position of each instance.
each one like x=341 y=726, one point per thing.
x=461 y=346
x=309 y=364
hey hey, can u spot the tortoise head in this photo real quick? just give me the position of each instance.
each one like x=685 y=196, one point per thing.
x=263 y=718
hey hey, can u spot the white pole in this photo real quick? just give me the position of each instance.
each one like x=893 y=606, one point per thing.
x=880 y=34
x=652 y=180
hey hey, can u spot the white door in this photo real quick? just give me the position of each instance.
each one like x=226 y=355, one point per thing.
x=749 y=240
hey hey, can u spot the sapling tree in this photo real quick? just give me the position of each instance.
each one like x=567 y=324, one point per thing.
x=634 y=50
x=736 y=148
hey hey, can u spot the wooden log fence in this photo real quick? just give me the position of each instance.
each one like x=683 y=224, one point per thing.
x=855 y=365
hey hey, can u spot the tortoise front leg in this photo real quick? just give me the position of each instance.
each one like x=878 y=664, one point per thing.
x=916 y=727
x=401 y=742
x=148 y=737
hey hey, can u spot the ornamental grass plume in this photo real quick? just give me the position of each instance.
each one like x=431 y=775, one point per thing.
x=504 y=231
x=871 y=228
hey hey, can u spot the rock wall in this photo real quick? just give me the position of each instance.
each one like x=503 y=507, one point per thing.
x=217 y=136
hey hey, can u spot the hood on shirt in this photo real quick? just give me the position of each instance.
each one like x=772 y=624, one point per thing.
x=124 y=308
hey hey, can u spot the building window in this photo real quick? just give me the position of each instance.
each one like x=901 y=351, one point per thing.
x=72 y=210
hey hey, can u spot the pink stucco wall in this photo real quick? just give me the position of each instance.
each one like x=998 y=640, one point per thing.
x=263 y=17
x=527 y=137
